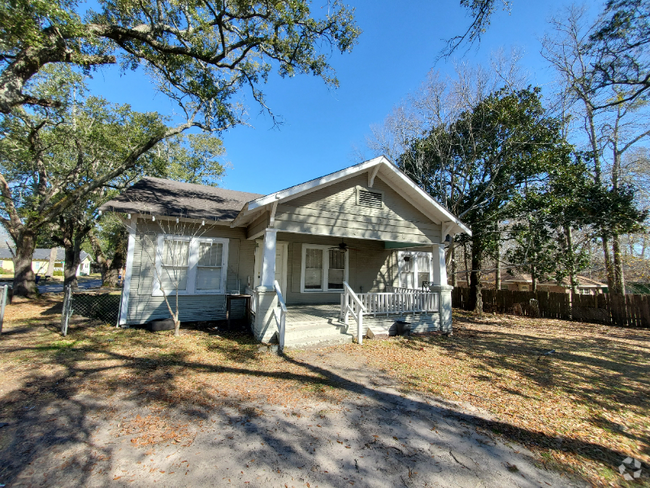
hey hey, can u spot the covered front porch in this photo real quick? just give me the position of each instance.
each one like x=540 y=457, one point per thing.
x=361 y=246
x=326 y=323
x=426 y=308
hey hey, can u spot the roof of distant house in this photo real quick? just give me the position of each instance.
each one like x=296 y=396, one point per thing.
x=41 y=254
x=156 y=196
x=583 y=281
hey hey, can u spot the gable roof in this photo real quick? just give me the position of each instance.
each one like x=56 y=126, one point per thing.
x=156 y=196
x=375 y=167
x=42 y=254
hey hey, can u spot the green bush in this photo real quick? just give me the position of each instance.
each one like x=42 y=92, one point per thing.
x=6 y=271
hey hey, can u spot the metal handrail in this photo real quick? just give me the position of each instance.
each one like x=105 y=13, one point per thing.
x=280 y=321
x=356 y=311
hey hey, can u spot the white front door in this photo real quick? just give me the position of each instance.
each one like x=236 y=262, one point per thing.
x=281 y=255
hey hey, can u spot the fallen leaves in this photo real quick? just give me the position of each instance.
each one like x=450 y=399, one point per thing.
x=591 y=394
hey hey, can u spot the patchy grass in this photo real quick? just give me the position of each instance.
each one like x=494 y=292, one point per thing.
x=586 y=406
x=583 y=408
x=159 y=368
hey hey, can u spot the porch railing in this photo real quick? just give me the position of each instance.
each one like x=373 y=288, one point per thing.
x=281 y=316
x=399 y=301
x=351 y=304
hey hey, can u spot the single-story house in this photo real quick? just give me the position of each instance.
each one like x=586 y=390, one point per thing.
x=41 y=261
x=524 y=282
x=322 y=260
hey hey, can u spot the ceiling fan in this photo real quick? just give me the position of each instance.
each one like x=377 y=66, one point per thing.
x=342 y=246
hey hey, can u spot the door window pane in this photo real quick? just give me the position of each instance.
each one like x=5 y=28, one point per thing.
x=313 y=269
x=336 y=272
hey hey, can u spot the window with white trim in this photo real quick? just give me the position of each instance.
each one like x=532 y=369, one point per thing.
x=324 y=269
x=191 y=265
x=414 y=268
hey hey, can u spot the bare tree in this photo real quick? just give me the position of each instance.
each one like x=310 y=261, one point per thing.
x=607 y=131
x=169 y=248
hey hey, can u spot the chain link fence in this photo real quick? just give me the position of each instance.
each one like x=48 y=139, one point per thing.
x=102 y=306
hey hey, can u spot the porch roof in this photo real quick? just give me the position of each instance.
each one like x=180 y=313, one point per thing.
x=375 y=167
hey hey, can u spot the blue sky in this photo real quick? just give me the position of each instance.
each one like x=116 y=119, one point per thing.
x=323 y=126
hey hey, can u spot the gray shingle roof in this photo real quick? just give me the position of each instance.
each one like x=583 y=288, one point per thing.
x=41 y=254
x=156 y=196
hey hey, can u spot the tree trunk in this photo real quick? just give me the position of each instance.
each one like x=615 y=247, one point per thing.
x=100 y=258
x=50 y=265
x=467 y=268
x=454 y=267
x=533 y=277
x=72 y=260
x=572 y=261
x=476 y=287
x=619 y=275
x=112 y=273
x=608 y=265
x=24 y=280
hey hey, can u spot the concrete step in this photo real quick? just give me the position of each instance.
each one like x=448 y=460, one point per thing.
x=311 y=334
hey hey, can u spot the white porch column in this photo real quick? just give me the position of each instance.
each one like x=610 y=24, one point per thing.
x=126 y=284
x=440 y=286
x=439 y=265
x=268 y=258
x=265 y=325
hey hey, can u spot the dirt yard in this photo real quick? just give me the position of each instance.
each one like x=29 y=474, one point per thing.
x=484 y=407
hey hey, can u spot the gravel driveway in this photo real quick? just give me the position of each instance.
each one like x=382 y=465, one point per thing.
x=375 y=437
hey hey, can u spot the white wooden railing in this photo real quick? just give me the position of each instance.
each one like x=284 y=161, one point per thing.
x=351 y=305
x=399 y=301
x=281 y=316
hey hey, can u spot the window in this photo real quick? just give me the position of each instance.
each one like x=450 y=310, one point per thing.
x=175 y=262
x=414 y=268
x=323 y=269
x=372 y=199
x=313 y=269
x=191 y=265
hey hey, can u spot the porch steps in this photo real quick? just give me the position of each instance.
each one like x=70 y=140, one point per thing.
x=310 y=334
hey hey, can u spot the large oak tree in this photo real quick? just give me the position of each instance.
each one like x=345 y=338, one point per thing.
x=201 y=54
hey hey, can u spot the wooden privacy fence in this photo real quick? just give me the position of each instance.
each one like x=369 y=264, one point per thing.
x=610 y=309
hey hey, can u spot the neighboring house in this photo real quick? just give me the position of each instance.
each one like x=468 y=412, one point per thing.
x=366 y=234
x=41 y=261
x=524 y=282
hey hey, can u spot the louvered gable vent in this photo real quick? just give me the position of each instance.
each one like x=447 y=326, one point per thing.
x=370 y=199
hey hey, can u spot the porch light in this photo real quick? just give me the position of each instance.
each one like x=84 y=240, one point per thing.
x=177 y=220
x=153 y=218
x=203 y=222
x=128 y=216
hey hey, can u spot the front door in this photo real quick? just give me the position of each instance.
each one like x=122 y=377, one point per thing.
x=281 y=254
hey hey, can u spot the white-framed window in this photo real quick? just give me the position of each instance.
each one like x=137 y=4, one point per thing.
x=414 y=268
x=324 y=269
x=191 y=265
